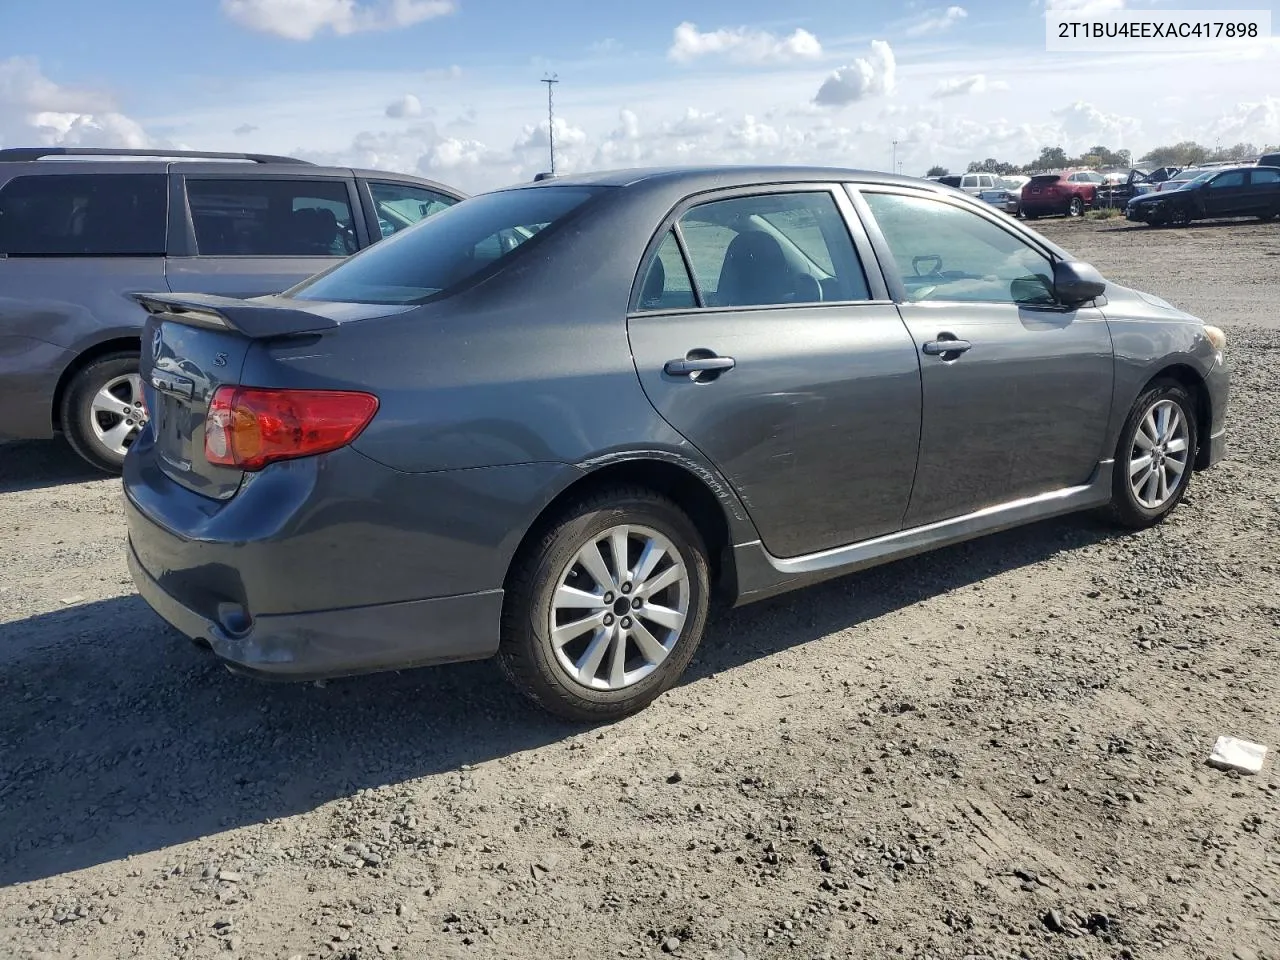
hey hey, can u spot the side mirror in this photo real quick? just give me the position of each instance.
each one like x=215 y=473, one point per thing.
x=1075 y=283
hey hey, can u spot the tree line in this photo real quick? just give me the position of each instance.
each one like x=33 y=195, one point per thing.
x=1187 y=153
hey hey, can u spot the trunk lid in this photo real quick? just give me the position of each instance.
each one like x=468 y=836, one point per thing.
x=192 y=345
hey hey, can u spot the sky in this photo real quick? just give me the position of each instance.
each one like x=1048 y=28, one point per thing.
x=450 y=89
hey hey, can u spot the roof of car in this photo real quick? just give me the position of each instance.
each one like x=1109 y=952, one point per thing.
x=40 y=159
x=725 y=175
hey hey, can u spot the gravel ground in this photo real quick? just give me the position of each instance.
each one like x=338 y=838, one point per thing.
x=997 y=750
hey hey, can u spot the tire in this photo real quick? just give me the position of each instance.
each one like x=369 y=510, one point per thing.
x=1180 y=217
x=90 y=424
x=1143 y=427
x=544 y=672
x=1075 y=208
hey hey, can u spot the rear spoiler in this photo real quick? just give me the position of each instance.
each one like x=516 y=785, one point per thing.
x=256 y=319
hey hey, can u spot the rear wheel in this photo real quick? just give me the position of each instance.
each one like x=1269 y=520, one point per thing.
x=1076 y=208
x=103 y=410
x=1155 y=456
x=605 y=611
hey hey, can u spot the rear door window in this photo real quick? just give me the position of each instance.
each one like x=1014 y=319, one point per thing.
x=271 y=218
x=1257 y=177
x=89 y=215
x=772 y=249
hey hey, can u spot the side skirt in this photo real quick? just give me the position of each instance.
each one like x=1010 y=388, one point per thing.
x=761 y=575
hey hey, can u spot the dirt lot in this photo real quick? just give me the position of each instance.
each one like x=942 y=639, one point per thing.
x=994 y=751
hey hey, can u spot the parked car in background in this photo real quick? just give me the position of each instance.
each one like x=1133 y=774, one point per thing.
x=1180 y=179
x=974 y=183
x=1245 y=191
x=80 y=229
x=731 y=380
x=1120 y=189
x=1005 y=195
x=1049 y=194
x=1269 y=160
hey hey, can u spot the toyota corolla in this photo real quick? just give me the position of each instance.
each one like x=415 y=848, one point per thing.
x=551 y=423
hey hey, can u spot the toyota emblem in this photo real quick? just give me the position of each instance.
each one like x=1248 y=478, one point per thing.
x=157 y=341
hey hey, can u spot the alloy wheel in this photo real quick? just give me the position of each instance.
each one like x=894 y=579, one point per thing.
x=1160 y=454
x=619 y=607
x=118 y=413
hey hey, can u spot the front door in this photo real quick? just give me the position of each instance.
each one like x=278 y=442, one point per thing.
x=1017 y=390
x=250 y=236
x=775 y=360
x=1226 y=195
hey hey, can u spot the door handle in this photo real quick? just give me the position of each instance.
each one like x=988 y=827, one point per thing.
x=944 y=345
x=694 y=365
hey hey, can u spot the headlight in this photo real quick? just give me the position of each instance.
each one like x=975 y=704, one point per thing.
x=1216 y=337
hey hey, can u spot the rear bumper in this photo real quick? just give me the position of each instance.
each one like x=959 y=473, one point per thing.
x=343 y=642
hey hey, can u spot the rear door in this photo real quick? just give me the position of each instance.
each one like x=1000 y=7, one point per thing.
x=1264 y=192
x=1021 y=406
x=244 y=234
x=783 y=361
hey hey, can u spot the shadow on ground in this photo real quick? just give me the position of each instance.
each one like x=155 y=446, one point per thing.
x=32 y=464
x=118 y=738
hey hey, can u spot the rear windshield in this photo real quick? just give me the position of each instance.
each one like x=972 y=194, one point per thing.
x=440 y=253
x=1047 y=178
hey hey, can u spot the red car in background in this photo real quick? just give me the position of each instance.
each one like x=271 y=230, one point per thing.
x=1049 y=194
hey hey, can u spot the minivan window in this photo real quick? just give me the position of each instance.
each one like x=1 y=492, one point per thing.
x=271 y=218
x=84 y=215
x=446 y=249
x=400 y=205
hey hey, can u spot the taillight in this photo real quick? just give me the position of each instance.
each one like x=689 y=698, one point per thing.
x=250 y=427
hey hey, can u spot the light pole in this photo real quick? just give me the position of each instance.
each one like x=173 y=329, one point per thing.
x=550 y=81
x=895 y=156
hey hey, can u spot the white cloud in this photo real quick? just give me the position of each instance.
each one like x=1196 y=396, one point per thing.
x=937 y=22
x=742 y=45
x=1256 y=121
x=1084 y=121
x=865 y=77
x=403 y=107
x=1084 y=6
x=36 y=111
x=304 y=19
x=962 y=86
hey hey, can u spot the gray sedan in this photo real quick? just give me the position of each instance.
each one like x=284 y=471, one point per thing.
x=552 y=422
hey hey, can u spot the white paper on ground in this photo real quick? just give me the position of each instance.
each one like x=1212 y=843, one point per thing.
x=1231 y=753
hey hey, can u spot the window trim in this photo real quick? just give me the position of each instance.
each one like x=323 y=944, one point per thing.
x=190 y=249
x=885 y=258
x=164 y=243
x=879 y=293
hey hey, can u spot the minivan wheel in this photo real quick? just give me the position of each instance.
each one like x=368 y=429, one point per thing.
x=1155 y=456
x=103 y=410
x=603 y=613
x=1077 y=207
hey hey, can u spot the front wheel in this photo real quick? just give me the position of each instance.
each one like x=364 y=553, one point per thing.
x=605 y=611
x=103 y=410
x=1154 y=457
